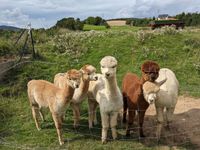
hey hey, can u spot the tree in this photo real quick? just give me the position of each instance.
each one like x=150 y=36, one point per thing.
x=70 y=23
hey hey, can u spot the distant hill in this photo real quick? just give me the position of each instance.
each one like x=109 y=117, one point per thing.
x=4 y=27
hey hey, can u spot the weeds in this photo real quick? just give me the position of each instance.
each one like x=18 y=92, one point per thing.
x=142 y=36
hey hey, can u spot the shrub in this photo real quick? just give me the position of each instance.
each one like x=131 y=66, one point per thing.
x=169 y=30
x=5 y=48
x=141 y=36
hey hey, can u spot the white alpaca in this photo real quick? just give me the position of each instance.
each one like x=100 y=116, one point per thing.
x=42 y=93
x=88 y=74
x=107 y=94
x=164 y=95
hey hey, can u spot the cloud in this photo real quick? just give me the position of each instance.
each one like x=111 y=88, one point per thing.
x=45 y=13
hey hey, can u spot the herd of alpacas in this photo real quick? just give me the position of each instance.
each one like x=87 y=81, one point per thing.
x=155 y=86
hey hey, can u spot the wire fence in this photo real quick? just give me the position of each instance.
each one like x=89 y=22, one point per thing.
x=181 y=136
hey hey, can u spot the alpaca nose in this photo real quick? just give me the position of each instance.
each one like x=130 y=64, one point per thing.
x=96 y=78
x=76 y=86
x=151 y=101
x=107 y=74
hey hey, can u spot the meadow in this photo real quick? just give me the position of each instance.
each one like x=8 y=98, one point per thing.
x=61 y=50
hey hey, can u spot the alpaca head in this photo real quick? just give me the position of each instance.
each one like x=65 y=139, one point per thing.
x=150 y=90
x=89 y=73
x=108 y=66
x=73 y=77
x=150 y=71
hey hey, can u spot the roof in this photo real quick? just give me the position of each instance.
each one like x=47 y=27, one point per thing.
x=163 y=16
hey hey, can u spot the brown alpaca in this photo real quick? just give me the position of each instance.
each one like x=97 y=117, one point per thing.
x=133 y=95
x=42 y=93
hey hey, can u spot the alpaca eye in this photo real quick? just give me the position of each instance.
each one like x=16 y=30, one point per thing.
x=102 y=67
x=113 y=67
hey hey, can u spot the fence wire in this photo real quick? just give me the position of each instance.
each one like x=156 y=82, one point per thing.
x=121 y=128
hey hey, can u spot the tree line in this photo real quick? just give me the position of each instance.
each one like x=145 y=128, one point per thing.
x=190 y=19
x=75 y=24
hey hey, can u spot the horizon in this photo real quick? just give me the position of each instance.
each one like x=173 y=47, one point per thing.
x=45 y=13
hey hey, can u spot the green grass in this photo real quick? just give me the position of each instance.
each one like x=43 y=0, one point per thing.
x=17 y=128
x=88 y=27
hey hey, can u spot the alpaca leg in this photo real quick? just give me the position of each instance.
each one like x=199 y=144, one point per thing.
x=169 y=113
x=76 y=113
x=131 y=116
x=41 y=115
x=35 y=111
x=120 y=117
x=105 y=126
x=113 y=124
x=141 y=120
x=91 y=112
x=58 y=124
x=160 y=119
x=95 y=114
x=125 y=106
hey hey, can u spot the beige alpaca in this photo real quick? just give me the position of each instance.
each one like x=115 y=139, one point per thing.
x=42 y=93
x=88 y=74
x=107 y=94
x=164 y=94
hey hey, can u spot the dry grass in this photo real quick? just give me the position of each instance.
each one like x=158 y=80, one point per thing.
x=116 y=23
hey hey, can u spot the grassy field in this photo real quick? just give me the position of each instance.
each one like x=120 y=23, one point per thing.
x=88 y=27
x=177 y=50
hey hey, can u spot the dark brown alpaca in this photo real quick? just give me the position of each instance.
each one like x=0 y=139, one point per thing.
x=133 y=95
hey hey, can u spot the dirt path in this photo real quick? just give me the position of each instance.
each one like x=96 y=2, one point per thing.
x=185 y=127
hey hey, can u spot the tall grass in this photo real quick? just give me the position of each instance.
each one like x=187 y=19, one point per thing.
x=179 y=52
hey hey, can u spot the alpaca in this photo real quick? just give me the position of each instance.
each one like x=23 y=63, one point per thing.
x=134 y=101
x=164 y=93
x=133 y=97
x=88 y=74
x=42 y=93
x=106 y=93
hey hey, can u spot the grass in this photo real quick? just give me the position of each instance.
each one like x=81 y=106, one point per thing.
x=17 y=128
x=88 y=27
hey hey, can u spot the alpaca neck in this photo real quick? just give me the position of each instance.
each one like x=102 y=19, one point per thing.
x=111 y=86
x=68 y=93
x=84 y=85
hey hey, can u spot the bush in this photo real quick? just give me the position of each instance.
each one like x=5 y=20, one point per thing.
x=141 y=36
x=70 y=23
x=169 y=30
x=5 y=48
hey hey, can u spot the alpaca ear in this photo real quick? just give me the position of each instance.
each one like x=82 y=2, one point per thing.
x=81 y=71
x=161 y=82
x=66 y=75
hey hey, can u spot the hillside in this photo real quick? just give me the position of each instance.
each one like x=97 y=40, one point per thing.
x=62 y=49
x=11 y=28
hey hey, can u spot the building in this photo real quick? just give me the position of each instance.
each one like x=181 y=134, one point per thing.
x=163 y=17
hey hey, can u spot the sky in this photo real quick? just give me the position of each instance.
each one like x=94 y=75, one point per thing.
x=45 y=13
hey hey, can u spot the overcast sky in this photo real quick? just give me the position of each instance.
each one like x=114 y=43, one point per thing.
x=45 y=13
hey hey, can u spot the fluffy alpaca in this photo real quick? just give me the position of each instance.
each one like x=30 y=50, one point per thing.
x=106 y=93
x=150 y=71
x=164 y=93
x=42 y=93
x=133 y=97
x=88 y=74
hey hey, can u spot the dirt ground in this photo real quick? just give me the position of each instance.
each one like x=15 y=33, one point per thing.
x=185 y=127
